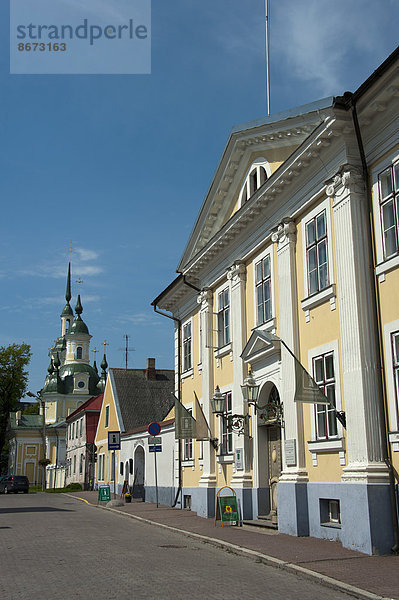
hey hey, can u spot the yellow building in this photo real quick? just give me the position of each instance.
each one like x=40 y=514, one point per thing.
x=280 y=262
x=25 y=434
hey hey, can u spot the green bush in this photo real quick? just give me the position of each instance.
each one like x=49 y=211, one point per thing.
x=35 y=488
x=72 y=487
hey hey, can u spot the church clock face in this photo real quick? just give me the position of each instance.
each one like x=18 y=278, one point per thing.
x=81 y=384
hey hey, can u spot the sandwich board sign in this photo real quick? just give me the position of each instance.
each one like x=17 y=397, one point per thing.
x=104 y=493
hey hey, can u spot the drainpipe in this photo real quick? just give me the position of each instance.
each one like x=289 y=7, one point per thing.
x=176 y=320
x=386 y=449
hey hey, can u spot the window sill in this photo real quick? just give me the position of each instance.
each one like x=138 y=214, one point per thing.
x=269 y=325
x=387 y=265
x=331 y=445
x=394 y=436
x=329 y=293
x=332 y=525
x=187 y=463
x=188 y=373
x=225 y=458
x=223 y=351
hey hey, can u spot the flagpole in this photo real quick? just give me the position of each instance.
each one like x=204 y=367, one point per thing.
x=267 y=12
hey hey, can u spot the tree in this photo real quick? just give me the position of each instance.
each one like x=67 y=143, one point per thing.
x=13 y=381
x=33 y=409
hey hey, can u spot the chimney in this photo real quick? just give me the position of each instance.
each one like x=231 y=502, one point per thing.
x=18 y=416
x=151 y=372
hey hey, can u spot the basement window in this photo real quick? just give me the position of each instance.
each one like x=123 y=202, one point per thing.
x=330 y=513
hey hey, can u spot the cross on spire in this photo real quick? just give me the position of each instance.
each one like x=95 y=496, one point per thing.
x=105 y=343
x=95 y=352
x=79 y=281
x=70 y=250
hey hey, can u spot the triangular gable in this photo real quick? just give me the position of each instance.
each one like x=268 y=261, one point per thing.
x=259 y=347
x=284 y=130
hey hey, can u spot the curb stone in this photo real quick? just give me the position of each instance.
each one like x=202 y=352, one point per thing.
x=271 y=561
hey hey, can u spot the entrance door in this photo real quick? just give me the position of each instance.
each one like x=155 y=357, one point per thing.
x=274 y=463
x=139 y=471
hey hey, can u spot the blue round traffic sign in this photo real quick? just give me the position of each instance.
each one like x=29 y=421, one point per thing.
x=154 y=429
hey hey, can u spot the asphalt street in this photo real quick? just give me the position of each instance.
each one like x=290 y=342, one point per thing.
x=52 y=546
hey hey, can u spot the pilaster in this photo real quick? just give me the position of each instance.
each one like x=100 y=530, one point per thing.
x=285 y=238
x=237 y=275
x=357 y=333
x=205 y=300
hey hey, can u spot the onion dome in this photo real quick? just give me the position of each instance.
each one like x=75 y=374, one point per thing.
x=79 y=326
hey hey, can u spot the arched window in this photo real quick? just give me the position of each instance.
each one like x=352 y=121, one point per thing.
x=67 y=324
x=79 y=352
x=256 y=177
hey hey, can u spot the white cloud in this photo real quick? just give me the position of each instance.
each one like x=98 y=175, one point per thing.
x=318 y=38
x=137 y=318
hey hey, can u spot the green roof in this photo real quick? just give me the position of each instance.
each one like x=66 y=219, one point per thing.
x=78 y=326
x=26 y=421
x=67 y=311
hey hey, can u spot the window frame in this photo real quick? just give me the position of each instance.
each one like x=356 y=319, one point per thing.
x=188 y=443
x=226 y=437
x=248 y=189
x=187 y=346
x=392 y=197
x=263 y=256
x=328 y=292
x=223 y=312
x=322 y=409
x=106 y=416
x=315 y=246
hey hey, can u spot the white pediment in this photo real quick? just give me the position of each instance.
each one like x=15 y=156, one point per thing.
x=260 y=346
x=280 y=133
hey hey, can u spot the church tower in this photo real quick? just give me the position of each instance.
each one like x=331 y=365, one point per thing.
x=71 y=380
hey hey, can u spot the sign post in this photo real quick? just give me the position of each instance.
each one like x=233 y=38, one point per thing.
x=155 y=445
x=114 y=443
x=227 y=508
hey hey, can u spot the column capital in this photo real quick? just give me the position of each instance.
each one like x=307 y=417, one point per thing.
x=237 y=272
x=205 y=298
x=349 y=178
x=285 y=232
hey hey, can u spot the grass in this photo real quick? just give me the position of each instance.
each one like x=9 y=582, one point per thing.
x=72 y=487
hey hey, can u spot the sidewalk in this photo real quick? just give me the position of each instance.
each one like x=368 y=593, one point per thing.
x=358 y=574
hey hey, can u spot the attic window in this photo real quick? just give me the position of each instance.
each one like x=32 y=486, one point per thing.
x=256 y=177
x=79 y=352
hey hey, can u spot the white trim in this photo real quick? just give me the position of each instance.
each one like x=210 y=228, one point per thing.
x=387 y=265
x=225 y=285
x=390 y=328
x=383 y=265
x=189 y=371
x=325 y=205
x=269 y=324
x=258 y=162
x=335 y=444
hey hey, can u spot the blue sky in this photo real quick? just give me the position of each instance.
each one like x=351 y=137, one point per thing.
x=119 y=164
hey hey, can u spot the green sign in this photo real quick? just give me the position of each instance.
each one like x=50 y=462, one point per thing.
x=228 y=508
x=104 y=493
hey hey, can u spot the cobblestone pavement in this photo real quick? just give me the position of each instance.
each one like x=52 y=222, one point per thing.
x=378 y=575
x=53 y=546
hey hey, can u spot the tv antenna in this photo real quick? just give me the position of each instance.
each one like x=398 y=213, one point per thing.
x=126 y=349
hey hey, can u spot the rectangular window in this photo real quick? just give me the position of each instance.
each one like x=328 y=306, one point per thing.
x=226 y=446
x=263 y=291
x=388 y=189
x=73 y=430
x=106 y=416
x=81 y=464
x=188 y=445
x=223 y=315
x=81 y=426
x=395 y=360
x=101 y=467
x=317 y=253
x=323 y=374
x=187 y=360
x=74 y=464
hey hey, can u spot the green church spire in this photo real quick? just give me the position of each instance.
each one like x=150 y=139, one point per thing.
x=68 y=294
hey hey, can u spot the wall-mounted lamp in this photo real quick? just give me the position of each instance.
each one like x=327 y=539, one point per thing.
x=236 y=423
